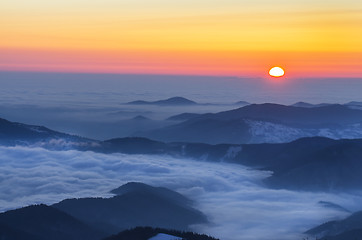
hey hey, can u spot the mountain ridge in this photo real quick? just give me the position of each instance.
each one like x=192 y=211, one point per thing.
x=314 y=164
x=339 y=229
x=137 y=204
x=258 y=123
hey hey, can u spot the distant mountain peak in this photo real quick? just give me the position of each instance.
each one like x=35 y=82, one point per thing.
x=310 y=105
x=130 y=187
x=302 y=104
x=170 y=101
x=178 y=99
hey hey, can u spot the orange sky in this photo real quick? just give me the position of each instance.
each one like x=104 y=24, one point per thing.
x=235 y=38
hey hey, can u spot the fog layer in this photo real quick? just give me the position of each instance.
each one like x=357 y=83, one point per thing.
x=232 y=196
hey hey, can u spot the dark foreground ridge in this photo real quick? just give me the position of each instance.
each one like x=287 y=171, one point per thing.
x=41 y=222
x=136 y=204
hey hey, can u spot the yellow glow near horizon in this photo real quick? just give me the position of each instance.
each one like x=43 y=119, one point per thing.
x=221 y=35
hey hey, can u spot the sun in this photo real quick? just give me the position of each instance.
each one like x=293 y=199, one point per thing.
x=276 y=72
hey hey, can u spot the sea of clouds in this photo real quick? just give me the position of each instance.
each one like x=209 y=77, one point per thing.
x=232 y=196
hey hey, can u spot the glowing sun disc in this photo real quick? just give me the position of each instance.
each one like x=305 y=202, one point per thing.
x=276 y=72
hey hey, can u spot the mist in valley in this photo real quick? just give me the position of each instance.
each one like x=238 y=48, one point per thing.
x=232 y=196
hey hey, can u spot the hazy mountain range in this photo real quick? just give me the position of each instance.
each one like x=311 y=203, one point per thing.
x=303 y=146
x=352 y=105
x=315 y=163
x=318 y=164
x=180 y=101
x=259 y=123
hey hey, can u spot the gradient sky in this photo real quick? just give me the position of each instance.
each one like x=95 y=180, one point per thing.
x=309 y=38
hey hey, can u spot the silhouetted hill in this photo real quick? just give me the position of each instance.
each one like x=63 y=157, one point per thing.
x=303 y=104
x=153 y=208
x=132 y=187
x=174 y=101
x=41 y=222
x=136 y=204
x=145 y=233
x=348 y=228
x=309 y=105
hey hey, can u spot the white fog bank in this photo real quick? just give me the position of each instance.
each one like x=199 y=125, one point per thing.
x=232 y=196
